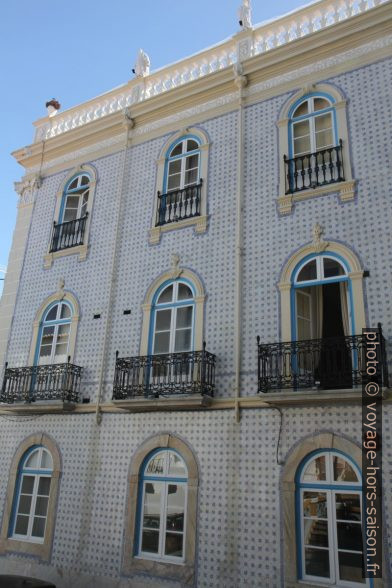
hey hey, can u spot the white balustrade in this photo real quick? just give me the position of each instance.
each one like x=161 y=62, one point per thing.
x=286 y=29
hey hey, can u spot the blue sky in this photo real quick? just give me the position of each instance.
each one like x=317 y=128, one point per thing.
x=76 y=50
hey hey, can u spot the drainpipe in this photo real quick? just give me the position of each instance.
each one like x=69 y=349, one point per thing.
x=128 y=123
x=240 y=81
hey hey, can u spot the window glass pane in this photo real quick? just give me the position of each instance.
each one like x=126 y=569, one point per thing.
x=175 y=167
x=301 y=146
x=44 y=486
x=52 y=314
x=301 y=129
x=342 y=471
x=332 y=268
x=184 y=317
x=175 y=507
x=73 y=184
x=166 y=295
x=183 y=340
x=38 y=527
x=308 y=272
x=192 y=162
x=41 y=505
x=173 y=544
x=163 y=320
x=191 y=145
x=150 y=541
x=24 y=504
x=65 y=311
x=191 y=177
x=317 y=562
x=156 y=464
x=316 y=533
x=184 y=292
x=46 y=341
x=315 y=504
x=27 y=484
x=315 y=471
x=33 y=461
x=22 y=523
x=301 y=109
x=46 y=461
x=177 y=150
x=84 y=180
x=350 y=567
x=152 y=504
x=320 y=103
x=177 y=467
x=349 y=536
x=348 y=507
x=174 y=182
x=303 y=305
x=323 y=140
x=162 y=342
x=323 y=122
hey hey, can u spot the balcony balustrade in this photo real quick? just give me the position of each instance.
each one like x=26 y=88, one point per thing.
x=312 y=170
x=178 y=205
x=329 y=363
x=68 y=234
x=59 y=381
x=152 y=376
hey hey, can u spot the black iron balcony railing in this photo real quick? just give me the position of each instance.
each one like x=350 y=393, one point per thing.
x=68 y=234
x=191 y=372
x=330 y=363
x=179 y=204
x=60 y=381
x=314 y=169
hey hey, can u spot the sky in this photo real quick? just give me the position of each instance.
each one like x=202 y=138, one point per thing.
x=78 y=49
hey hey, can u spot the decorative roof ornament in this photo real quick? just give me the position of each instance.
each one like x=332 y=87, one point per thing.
x=142 y=65
x=245 y=15
x=52 y=106
x=318 y=242
x=175 y=264
x=60 y=292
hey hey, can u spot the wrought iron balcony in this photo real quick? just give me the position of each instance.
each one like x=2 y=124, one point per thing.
x=329 y=363
x=68 y=234
x=179 y=204
x=314 y=169
x=60 y=381
x=151 y=376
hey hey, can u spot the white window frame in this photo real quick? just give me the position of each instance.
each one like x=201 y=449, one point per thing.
x=183 y=157
x=319 y=270
x=311 y=117
x=56 y=323
x=76 y=192
x=173 y=306
x=319 y=486
x=166 y=481
x=32 y=472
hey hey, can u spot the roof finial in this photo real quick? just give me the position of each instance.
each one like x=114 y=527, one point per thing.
x=142 y=65
x=245 y=15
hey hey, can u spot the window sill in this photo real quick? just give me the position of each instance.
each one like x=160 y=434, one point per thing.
x=183 y=573
x=345 y=189
x=310 y=397
x=178 y=402
x=40 y=550
x=200 y=223
x=81 y=250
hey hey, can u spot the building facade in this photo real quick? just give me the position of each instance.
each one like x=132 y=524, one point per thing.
x=148 y=438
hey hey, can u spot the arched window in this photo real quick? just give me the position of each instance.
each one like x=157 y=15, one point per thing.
x=182 y=167
x=31 y=499
x=54 y=334
x=181 y=184
x=314 y=147
x=163 y=507
x=312 y=125
x=329 y=516
x=71 y=224
x=75 y=198
x=173 y=318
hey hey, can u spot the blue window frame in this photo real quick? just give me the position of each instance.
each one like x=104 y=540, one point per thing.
x=31 y=498
x=75 y=198
x=329 y=520
x=312 y=124
x=182 y=166
x=161 y=521
x=172 y=318
x=54 y=334
x=312 y=271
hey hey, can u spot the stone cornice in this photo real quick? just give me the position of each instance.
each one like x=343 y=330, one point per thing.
x=268 y=74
